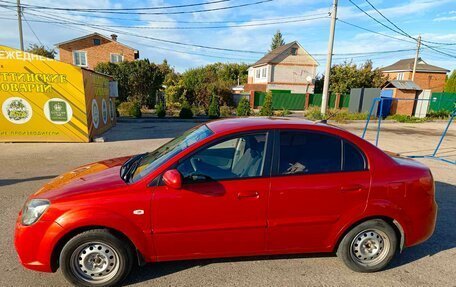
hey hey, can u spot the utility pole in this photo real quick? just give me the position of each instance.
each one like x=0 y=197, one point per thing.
x=418 y=45
x=324 y=99
x=19 y=22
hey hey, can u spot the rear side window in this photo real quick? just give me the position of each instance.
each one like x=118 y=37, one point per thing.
x=354 y=159
x=304 y=152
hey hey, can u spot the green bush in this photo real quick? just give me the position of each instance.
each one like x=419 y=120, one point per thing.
x=243 y=108
x=225 y=111
x=406 y=119
x=161 y=112
x=442 y=114
x=186 y=111
x=214 y=108
x=198 y=111
x=266 y=109
x=282 y=113
x=130 y=109
x=313 y=114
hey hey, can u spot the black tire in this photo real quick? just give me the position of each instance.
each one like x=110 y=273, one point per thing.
x=369 y=246
x=118 y=253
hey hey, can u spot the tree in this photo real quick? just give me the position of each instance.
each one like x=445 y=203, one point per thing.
x=214 y=108
x=138 y=81
x=450 y=85
x=199 y=84
x=348 y=75
x=41 y=50
x=186 y=111
x=161 y=112
x=266 y=109
x=277 y=40
x=243 y=108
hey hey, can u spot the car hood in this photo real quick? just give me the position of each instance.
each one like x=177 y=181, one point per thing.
x=94 y=177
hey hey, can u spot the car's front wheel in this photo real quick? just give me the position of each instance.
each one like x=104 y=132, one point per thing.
x=369 y=246
x=96 y=258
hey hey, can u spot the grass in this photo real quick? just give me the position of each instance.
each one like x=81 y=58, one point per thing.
x=338 y=115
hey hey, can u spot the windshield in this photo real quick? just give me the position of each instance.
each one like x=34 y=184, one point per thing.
x=152 y=160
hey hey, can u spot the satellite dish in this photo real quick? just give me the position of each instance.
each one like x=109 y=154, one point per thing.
x=309 y=79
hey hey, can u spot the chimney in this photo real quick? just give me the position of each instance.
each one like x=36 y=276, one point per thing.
x=114 y=37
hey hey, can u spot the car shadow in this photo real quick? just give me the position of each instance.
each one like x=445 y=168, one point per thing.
x=444 y=238
x=5 y=182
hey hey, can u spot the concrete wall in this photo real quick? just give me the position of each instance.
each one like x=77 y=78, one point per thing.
x=95 y=54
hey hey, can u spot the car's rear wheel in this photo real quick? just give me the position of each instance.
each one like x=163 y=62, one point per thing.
x=369 y=246
x=96 y=258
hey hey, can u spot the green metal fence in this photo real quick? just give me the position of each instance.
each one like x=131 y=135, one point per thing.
x=442 y=101
x=287 y=100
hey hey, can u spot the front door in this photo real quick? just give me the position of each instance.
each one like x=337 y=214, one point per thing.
x=319 y=178
x=221 y=209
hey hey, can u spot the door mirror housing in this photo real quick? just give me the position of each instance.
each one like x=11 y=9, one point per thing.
x=173 y=179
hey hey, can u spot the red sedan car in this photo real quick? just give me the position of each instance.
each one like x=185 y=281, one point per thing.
x=229 y=188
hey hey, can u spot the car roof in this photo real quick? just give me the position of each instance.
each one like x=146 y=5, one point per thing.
x=251 y=123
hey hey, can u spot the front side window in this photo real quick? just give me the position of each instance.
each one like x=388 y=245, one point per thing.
x=153 y=160
x=400 y=76
x=263 y=72
x=239 y=157
x=80 y=58
x=305 y=152
x=97 y=42
x=116 y=58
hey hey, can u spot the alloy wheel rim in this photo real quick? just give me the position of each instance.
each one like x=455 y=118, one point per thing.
x=95 y=262
x=370 y=247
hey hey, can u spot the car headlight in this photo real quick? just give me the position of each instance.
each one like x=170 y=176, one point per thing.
x=33 y=210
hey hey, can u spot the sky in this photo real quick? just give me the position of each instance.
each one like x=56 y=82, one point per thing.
x=434 y=20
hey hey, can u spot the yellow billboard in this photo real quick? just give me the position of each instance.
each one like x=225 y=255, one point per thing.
x=45 y=100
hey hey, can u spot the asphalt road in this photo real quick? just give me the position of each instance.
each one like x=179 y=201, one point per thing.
x=25 y=167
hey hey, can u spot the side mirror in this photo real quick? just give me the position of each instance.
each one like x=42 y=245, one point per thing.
x=173 y=179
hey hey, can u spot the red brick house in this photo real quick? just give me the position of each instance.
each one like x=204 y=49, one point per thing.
x=289 y=67
x=89 y=50
x=427 y=77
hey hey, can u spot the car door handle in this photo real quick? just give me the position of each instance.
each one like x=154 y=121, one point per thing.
x=248 y=194
x=352 y=188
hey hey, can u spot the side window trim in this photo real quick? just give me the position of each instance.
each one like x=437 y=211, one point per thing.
x=266 y=171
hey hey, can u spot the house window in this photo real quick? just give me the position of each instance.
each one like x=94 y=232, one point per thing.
x=400 y=76
x=257 y=73
x=263 y=72
x=116 y=58
x=96 y=42
x=294 y=51
x=80 y=58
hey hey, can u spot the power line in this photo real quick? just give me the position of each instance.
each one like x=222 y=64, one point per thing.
x=181 y=27
x=121 y=9
x=229 y=50
x=389 y=21
x=30 y=27
x=401 y=32
x=157 y=13
x=375 y=32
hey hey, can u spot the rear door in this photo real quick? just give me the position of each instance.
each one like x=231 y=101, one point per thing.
x=318 y=178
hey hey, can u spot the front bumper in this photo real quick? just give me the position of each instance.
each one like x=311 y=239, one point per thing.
x=34 y=244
